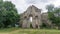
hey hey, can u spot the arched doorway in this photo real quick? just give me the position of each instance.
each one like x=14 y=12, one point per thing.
x=31 y=25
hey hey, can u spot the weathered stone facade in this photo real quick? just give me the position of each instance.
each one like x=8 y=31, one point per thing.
x=32 y=16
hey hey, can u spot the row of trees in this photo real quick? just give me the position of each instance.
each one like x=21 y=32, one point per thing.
x=8 y=14
x=54 y=14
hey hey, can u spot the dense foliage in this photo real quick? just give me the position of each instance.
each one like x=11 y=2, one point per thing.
x=8 y=14
x=54 y=14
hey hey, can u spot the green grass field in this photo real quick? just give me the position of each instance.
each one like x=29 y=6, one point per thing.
x=28 y=31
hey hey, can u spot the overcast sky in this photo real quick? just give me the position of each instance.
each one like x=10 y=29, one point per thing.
x=22 y=5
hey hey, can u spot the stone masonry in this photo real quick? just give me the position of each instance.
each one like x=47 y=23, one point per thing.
x=32 y=17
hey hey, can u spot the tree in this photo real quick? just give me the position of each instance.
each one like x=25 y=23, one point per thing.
x=54 y=15
x=57 y=15
x=8 y=14
x=50 y=7
x=50 y=11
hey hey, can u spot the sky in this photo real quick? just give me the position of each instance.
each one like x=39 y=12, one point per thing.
x=22 y=5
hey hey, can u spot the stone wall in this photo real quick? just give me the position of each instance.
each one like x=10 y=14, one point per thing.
x=36 y=15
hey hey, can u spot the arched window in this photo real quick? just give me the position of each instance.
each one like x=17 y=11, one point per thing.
x=36 y=16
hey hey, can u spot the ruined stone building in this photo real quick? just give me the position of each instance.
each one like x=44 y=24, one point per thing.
x=33 y=17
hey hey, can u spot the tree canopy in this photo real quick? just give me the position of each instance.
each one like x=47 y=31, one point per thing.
x=8 y=14
x=54 y=14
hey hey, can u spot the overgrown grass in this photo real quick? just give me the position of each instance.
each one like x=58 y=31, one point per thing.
x=38 y=31
x=29 y=31
x=8 y=29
